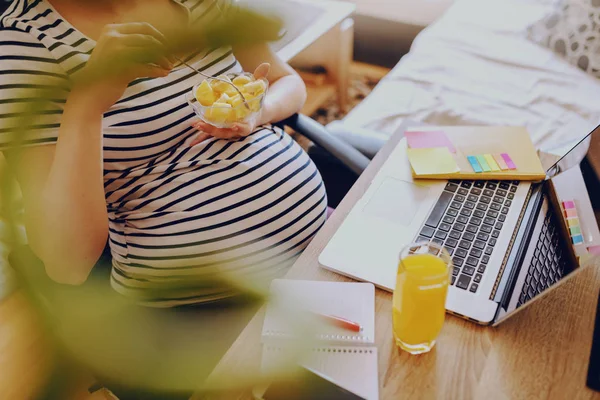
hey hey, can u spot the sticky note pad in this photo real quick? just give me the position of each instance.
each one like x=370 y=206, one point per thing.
x=500 y=161
x=491 y=162
x=425 y=140
x=437 y=160
x=474 y=164
x=509 y=161
x=483 y=163
x=572 y=220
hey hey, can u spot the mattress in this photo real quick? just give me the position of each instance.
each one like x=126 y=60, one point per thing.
x=475 y=66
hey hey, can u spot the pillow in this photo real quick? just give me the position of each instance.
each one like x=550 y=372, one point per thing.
x=572 y=31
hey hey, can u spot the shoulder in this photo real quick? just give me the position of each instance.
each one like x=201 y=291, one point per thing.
x=17 y=15
x=10 y=11
x=20 y=42
x=23 y=23
x=16 y=32
x=33 y=85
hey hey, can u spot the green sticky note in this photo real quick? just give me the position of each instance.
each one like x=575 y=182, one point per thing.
x=575 y=230
x=432 y=161
x=491 y=162
x=483 y=163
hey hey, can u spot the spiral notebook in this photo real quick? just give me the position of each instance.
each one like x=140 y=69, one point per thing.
x=347 y=358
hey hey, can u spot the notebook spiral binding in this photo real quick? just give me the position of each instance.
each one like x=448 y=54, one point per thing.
x=349 y=338
x=354 y=350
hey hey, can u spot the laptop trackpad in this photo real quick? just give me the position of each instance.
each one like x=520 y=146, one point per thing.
x=396 y=201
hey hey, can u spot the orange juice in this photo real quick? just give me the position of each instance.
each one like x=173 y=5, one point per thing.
x=419 y=301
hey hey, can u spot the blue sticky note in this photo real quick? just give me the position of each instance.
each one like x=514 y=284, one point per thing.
x=474 y=164
x=577 y=239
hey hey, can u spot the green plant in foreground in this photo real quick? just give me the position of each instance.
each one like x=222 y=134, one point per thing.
x=94 y=329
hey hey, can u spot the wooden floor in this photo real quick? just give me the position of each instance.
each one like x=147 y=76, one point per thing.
x=320 y=93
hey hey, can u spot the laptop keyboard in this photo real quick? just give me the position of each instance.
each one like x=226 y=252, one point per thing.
x=548 y=265
x=467 y=219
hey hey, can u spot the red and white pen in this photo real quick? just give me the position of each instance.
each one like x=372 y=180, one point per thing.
x=340 y=322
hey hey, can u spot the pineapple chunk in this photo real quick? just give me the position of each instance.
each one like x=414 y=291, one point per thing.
x=256 y=88
x=205 y=94
x=241 y=80
x=223 y=99
x=219 y=112
x=231 y=92
x=241 y=113
x=236 y=100
x=220 y=86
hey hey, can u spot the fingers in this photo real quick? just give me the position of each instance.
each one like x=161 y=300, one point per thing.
x=219 y=133
x=145 y=55
x=153 y=71
x=262 y=71
x=140 y=39
x=235 y=132
x=140 y=28
x=202 y=136
x=137 y=42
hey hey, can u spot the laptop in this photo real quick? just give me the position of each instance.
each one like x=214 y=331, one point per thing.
x=508 y=239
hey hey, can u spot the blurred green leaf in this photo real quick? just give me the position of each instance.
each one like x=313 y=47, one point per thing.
x=97 y=329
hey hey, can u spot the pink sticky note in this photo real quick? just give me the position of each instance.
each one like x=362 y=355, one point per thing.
x=509 y=161
x=568 y=204
x=429 y=139
x=501 y=162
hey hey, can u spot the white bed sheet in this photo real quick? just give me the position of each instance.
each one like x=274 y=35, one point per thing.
x=474 y=66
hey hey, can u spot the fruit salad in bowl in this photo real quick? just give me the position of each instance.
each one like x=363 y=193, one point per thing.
x=218 y=103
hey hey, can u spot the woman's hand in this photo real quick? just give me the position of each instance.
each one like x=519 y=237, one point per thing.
x=237 y=130
x=123 y=52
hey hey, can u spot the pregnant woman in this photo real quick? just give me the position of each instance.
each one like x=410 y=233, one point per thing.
x=191 y=212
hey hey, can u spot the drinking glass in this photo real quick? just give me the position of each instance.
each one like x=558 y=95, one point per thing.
x=419 y=302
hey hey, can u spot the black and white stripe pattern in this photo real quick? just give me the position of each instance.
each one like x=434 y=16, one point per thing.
x=187 y=224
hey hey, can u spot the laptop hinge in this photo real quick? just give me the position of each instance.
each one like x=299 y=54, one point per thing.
x=519 y=248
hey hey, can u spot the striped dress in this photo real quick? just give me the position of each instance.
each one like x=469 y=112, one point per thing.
x=186 y=224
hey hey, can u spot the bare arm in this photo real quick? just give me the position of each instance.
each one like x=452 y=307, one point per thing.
x=287 y=92
x=62 y=184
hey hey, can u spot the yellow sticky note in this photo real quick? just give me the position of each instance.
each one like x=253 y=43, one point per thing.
x=491 y=162
x=432 y=161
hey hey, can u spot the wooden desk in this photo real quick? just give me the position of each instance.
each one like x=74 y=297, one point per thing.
x=540 y=353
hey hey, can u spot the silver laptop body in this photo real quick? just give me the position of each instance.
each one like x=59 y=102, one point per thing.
x=492 y=228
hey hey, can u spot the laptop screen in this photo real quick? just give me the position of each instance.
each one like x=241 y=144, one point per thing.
x=586 y=155
x=584 y=146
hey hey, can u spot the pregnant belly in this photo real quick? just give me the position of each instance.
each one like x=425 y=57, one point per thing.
x=240 y=215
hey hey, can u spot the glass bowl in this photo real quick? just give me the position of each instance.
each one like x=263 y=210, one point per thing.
x=226 y=117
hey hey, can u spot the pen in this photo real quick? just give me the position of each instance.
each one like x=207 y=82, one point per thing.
x=341 y=322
